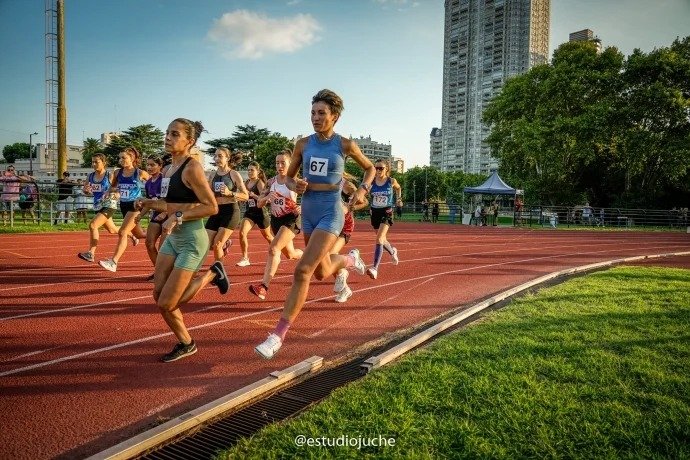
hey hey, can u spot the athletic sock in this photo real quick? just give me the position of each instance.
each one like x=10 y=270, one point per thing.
x=387 y=246
x=282 y=328
x=378 y=252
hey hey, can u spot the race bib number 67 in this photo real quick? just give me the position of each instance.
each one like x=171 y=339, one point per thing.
x=318 y=166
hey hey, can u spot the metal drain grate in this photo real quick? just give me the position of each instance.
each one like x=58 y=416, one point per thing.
x=225 y=432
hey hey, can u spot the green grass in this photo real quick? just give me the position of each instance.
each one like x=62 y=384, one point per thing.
x=597 y=367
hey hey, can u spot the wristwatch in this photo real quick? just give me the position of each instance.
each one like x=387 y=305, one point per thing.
x=178 y=217
x=366 y=187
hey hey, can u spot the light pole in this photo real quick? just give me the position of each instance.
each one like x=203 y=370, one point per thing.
x=414 y=196
x=31 y=154
x=426 y=185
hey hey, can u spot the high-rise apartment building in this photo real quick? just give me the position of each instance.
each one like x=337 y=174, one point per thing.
x=435 y=148
x=585 y=35
x=486 y=42
x=374 y=150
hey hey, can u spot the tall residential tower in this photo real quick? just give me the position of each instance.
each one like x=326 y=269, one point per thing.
x=486 y=42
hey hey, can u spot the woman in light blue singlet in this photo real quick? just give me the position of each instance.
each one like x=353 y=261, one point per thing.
x=97 y=186
x=385 y=192
x=129 y=183
x=321 y=157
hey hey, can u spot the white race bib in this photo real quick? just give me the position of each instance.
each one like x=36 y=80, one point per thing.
x=318 y=166
x=96 y=188
x=380 y=201
x=251 y=203
x=165 y=183
x=217 y=186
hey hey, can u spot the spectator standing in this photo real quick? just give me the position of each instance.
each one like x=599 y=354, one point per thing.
x=65 y=201
x=494 y=211
x=587 y=214
x=10 y=191
x=27 y=200
x=434 y=211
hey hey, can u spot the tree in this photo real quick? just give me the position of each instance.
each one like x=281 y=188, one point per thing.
x=598 y=127
x=12 y=152
x=91 y=147
x=147 y=139
x=265 y=153
x=245 y=138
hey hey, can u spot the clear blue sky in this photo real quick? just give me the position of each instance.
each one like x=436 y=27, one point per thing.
x=233 y=62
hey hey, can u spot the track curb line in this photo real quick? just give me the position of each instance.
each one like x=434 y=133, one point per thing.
x=168 y=430
x=386 y=357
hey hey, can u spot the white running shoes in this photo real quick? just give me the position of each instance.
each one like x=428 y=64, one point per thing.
x=341 y=280
x=359 y=266
x=243 y=263
x=343 y=295
x=269 y=347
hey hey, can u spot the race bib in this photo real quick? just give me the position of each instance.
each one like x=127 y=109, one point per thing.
x=251 y=203
x=318 y=166
x=124 y=194
x=165 y=183
x=380 y=201
x=217 y=186
x=279 y=202
x=96 y=188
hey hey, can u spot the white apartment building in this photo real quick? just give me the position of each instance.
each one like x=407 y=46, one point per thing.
x=485 y=43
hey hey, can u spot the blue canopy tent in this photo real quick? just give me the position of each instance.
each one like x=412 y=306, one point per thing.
x=494 y=185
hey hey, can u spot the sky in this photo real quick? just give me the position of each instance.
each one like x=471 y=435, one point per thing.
x=241 y=62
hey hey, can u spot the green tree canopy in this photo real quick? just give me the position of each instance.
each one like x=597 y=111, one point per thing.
x=597 y=127
x=246 y=138
x=15 y=151
x=147 y=139
x=91 y=147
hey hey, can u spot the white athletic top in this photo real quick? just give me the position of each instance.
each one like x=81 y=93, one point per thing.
x=286 y=201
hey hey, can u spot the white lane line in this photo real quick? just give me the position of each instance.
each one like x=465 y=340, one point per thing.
x=125 y=344
x=498 y=251
x=248 y=315
x=76 y=307
x=376 y=305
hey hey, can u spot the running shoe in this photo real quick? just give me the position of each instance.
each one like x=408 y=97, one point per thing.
x=87 y=256
x=340 y=280
x=243 y=263
x=298 y=254
x=108 y=264
x=226 y=246
x=269 y=347
x=258 y=290
x=359 y=266
x=179 y=351
x=394 y=255
x=372 y=272
x=221 y=278
x=135 y=240
x=343 y=295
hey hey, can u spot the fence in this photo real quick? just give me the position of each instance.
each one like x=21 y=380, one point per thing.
x=47 y=210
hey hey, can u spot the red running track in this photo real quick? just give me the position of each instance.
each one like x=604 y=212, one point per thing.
x=79 y=369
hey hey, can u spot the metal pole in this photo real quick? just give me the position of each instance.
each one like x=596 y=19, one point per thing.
x=62 y=98
x=414 y=199
x=31 y=155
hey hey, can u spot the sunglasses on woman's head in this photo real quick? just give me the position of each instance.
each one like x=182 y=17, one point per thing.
x=380 y=168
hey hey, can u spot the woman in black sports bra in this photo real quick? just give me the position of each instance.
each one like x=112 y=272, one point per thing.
x=186 y=198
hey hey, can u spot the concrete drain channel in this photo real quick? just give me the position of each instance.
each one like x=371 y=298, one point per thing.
x=225 y=432
x=219 y=425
